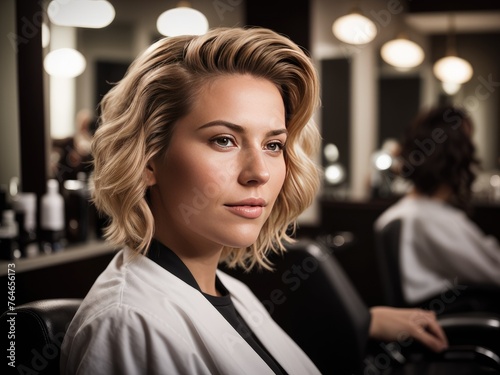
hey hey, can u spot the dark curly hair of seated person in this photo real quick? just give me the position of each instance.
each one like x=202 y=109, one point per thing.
x=437 y=150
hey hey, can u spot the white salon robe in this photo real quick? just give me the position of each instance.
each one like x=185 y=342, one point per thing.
x=440 y=247
x=140 y=319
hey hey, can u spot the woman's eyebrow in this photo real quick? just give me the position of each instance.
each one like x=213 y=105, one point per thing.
x=239 y=128
x=277 y=132
x=227 y=124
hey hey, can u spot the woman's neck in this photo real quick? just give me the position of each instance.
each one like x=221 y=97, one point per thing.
x=201 y=263
x=204 y=272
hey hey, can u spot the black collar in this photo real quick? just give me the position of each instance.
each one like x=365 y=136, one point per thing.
x=169 y=260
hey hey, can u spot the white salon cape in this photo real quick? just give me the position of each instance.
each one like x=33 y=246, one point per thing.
x=139 y=318
x=439 y=247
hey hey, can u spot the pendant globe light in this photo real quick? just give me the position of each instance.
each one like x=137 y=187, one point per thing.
x=65 y=63
x=81 y=13
x=354 y=28
x=182 y=20
x=452 y=69
x=402 y=53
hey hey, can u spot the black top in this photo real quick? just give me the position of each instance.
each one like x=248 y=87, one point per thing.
x=167 y=259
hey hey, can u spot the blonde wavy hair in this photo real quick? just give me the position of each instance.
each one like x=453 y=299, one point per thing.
x=139 y=114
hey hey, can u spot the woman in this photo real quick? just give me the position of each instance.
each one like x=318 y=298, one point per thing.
x=203 y=156
x=441 y=246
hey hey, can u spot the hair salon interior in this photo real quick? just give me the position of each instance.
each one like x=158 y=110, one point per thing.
x=372 y=87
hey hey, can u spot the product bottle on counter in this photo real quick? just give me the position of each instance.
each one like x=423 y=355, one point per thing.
x=24 y=205
x=8 y=236
x=76 y=199
x=52 y=233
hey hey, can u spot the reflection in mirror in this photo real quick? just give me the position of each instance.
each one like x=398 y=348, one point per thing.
x=134 y=28
x=108 y=52
x=402 y=96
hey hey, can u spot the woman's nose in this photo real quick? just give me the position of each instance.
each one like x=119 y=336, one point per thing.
x=254 y=170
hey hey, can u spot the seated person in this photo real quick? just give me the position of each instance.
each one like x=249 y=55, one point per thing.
x=440 y=246
x=204 y=155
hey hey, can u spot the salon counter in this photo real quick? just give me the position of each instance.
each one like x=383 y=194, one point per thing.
x=66 y=274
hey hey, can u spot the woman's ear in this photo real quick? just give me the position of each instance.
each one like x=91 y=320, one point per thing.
x=149 y=174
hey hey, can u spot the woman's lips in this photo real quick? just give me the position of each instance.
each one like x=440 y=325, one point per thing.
x=249 y=208
x=248 y=212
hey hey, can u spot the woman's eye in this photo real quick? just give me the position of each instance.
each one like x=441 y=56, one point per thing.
x=275 y=146
x=223 y=141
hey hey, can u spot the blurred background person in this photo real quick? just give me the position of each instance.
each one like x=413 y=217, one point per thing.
x=439 y=245
x=71 y=155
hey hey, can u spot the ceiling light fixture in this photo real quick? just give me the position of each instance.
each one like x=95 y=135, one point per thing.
x=334 y=174
x=354 y=28
x=402 y=53
x=182 y=20
x=452 y=69
x=93 y=14
x=451 y=88
x=64 y=62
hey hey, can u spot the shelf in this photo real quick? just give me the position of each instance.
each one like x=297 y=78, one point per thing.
x=72 y=253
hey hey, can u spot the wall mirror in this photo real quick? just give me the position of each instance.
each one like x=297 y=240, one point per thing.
x=373 y=112
x=382 y=100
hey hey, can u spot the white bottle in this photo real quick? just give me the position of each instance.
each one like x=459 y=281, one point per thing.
x=52 y=218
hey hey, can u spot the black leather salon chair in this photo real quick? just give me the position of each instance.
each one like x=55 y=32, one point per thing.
x=313 y=300
x=387 y=247
x=38 y=329
x=473 y=298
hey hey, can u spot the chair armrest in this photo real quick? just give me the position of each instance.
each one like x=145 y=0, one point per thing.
x=473 y=338
x=474 y=328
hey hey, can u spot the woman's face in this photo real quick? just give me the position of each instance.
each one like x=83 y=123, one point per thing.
x=224 y=167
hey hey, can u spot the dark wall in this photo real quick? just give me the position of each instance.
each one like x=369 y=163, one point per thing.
x=33 y=132
x=107 y=74
x=399 y=102
x=282 y=16
x=451 y=5
x=335 y=106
